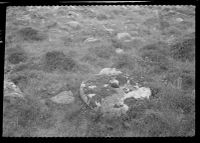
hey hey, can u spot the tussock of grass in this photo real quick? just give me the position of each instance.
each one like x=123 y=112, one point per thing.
x=16 y=55
x=119 y=44
x=185 y=79
x=124 y=61
x=157 y=56
x=156 y=125
x=30 y=64
x=178 y=102
x=184 y=50
x=27 y=79
x=25 y=114
x=104 y=52
x=90 y=59
x=101 y=17
x=57 y=60
x=11 y=39
x=30 y=34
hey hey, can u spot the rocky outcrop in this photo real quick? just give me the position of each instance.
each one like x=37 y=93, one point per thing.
x=107 y=91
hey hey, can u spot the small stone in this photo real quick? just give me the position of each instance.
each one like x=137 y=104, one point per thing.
x=179 y=19
x=91 y=95
x=109 y=71
x=65 y=97
x=124 y=36
x=119 y=51
x=74 y=24
x=92 y=86
x=114 y=83
x=91 y=39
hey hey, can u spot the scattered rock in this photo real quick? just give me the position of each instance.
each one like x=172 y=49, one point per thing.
x=91 y=39
x=65 y=97
x=179 y=19
x=109 y=71
x=74 y=24
x=112 y=88
x=124 y=36
x=119 y=51
x=140 y=93
x=10 y=89
x=108 y=29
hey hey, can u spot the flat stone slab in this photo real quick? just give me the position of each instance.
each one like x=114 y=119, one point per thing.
x=65 y=97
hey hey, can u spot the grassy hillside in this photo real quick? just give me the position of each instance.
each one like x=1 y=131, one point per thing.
x=52 y=49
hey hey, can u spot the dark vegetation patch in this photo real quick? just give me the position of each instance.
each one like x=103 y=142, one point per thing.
x=186 y=79
x=26 y=80
x=187 y=126
x=30 y=64
x=90 y=59
x=184 y=25
x=35 y=115
x=137 y=109
x=159 y=47
x=57 y=60
x=106 y=127
x=67 y=41
x=16 y=55
x=156 y=126
x=124 y=61
x=11 y=39
x=121 y=45
x=164 y=24
x=172 y=31
x=184 y=50
x=156 y=55
x=101 y=17
x=30 y=34
x=104 y=52
x=23 y=115
x=87 y=13
x=178 y=102
x=73 y=83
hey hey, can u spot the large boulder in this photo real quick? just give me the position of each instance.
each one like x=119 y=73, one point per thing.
x=107 y=91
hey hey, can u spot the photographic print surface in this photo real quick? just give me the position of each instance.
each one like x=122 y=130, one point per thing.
x=99 y=71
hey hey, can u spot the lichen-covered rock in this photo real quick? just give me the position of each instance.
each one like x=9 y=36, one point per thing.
x=107 y=91
x=65 y=97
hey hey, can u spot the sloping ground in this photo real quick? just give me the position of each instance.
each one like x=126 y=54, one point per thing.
x=50 y=50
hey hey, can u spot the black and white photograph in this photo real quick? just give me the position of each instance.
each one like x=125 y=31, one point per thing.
x=99 y=71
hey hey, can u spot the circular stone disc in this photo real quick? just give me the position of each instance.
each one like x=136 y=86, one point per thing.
x=105 y=92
